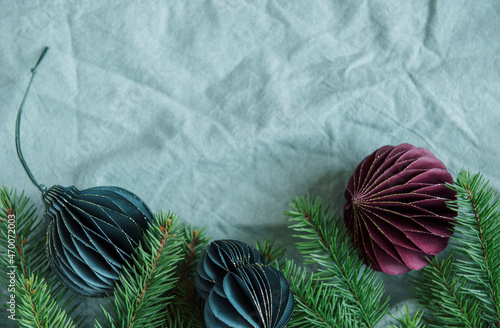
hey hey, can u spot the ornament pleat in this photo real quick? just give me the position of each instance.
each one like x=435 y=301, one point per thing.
x=92 y=233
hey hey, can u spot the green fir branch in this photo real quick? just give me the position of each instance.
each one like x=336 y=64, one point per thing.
x=37 y=308
x=476 y=242
x=158 y=290
x=22 y=244
x=316 y=304
x=271 y=251
x=438 y=288
x=140 y=298
x=186 y=308
x=463 y=290
x=406 y=320
x=175 y=319
x=324 y=240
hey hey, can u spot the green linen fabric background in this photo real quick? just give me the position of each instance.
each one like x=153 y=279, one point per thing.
x=224 y=110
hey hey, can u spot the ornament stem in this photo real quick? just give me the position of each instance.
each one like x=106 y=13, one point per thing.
x=40 y=187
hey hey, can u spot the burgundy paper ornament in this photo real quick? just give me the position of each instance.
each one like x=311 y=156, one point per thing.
x=396 y=208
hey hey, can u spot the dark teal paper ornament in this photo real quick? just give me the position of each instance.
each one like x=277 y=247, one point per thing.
x=239 y=290
x=219 y=258
x=254 y=296
x=92 y=233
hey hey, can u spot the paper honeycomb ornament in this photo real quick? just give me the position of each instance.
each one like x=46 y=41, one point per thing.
x=219 y=258
x=396 y=208
x=92 y=234
x=253 y=296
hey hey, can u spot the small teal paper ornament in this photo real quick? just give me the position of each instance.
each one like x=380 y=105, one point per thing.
x=219 y=258
x=240 y=290
x=254 y=296
x=92 y=233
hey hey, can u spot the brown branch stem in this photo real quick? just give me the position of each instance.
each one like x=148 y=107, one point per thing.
x=165 y=236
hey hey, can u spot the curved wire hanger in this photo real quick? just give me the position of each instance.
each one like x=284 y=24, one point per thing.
x=40 y=187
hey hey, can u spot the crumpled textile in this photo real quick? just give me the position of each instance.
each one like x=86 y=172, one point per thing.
x=224 y=110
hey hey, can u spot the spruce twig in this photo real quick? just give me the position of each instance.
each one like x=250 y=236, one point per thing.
x=476 y=241
x=271 y=251
x=316 y=305
x=22 y=241
x=440 y=290
x=186 y=308
x=324 y=240
x=463 y=291
x=140 y=298
x=407 y=321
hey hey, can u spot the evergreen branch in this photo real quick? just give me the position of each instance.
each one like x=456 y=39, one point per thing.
x=407 y=321
x=271 y=251
x=440 y=290
x=186 y=308
x=325 y=241
x=476 y=240
x=175 y=319
x=139 y=298
x=316 y=305
x=22 y=242
x=195 y=243
x=37 y=308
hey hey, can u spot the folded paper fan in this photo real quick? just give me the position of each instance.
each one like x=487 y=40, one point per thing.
x=396 y=208
x=219 y=258
x=254 y=296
